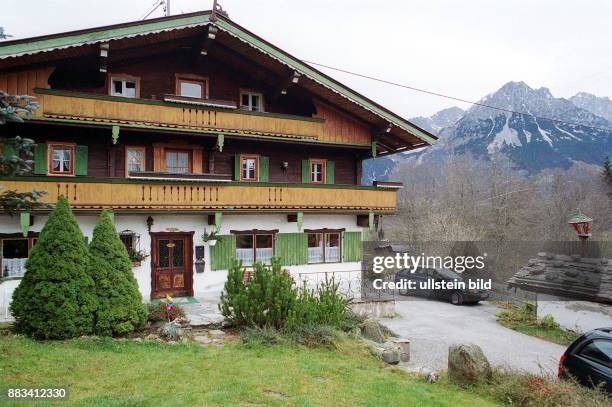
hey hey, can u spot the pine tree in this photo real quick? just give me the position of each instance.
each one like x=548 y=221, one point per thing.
x=120 y=309
x=607 y=170
x=55 y=298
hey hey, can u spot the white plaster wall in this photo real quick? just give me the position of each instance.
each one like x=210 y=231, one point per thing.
x=210 y=283
x=579 y=316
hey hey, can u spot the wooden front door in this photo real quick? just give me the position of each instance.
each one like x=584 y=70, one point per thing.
x=171 y=268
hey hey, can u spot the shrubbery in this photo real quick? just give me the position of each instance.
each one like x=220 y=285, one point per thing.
x=56 y=299
x=523 y=318
x=161 y=312
x=266 y=299
x=120 y=309
x=269 y=300
x=69 y=291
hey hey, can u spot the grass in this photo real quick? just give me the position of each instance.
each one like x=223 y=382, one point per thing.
x=523 y=318
x=528 y=390
x=108 y=372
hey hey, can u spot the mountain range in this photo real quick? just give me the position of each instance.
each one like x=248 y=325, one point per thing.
x=535 y=130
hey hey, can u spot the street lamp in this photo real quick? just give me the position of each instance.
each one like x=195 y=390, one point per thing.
x=581 y=224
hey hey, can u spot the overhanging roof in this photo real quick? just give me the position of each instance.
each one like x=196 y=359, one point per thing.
x=402 y=136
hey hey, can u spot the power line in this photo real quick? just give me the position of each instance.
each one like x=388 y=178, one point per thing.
x=453 y=97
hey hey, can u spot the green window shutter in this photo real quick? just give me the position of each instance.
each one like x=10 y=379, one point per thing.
x=9 y=150
x=305 y=171
x=351 y=245
x=223 y=252
x=40 y=159
x=237 y=167
x=292 y=248
x=80 y=160
x=264 y=169
x=330 y=172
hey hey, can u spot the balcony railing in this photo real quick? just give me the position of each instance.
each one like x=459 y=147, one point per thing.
x=84 y=107
x=143 y=195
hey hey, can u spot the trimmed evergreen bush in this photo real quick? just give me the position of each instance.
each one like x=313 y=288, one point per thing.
x=55 y=299
x=265 y=300
x=120 y=309
x=270 y=299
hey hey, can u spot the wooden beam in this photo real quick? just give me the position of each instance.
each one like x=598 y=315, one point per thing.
x=103 y=57
x=210 y=36
x=289 y=80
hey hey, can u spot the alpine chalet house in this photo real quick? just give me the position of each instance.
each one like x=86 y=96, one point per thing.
x=188 y=125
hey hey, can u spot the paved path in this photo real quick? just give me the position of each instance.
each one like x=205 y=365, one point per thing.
x=205 y=312
x=432 y=326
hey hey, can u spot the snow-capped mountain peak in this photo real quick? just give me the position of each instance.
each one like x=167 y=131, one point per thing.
x=531 y=127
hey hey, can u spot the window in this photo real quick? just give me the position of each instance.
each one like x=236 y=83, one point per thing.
x=15 y=253
x=324 y=247
x=254 y=247
x=61 y=160
x=131 y=241
x=317 y=171
x=178 y=161
x=600 y=350
x=135 y=159
x=249 y=168
x=124 y=87
x=252 y=102
x=192 y=89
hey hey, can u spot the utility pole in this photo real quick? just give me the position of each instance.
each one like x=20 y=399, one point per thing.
x=167 y=8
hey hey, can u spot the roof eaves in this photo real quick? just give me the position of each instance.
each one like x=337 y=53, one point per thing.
x=304 y=69
x=87 y=37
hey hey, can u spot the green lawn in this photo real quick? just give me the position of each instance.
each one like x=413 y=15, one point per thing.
x=107 y=372
x=523 y=318
x=555 y=335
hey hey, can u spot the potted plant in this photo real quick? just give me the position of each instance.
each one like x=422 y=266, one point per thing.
x=137 y=256
x=211 y=237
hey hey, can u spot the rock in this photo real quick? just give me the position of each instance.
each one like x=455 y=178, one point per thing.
x=137 y=339
x=151 y=337
x=403 y=347
x=172 y=331
x=216 y=333
x=390 y=356
x=157 y=325
x=467 y=364
x=204 y=340
x=371 y=330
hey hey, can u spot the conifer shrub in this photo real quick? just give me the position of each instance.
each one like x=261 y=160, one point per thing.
x=269 y=298
x=55 y=299
x=265 y=300
x=120 y=309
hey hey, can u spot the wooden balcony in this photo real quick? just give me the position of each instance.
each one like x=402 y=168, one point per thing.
x=110 y=110
x=129 y=195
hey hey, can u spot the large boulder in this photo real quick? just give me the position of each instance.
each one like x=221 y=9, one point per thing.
x=371 y=330
x=467 y=364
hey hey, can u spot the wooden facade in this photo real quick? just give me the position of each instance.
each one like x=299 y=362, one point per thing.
x=131 y=195
x=300 y=117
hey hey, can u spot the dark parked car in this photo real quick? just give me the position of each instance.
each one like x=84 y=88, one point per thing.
x=455 y=296
x=589 y=359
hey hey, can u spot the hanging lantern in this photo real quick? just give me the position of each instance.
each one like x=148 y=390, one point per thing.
x=581 y=224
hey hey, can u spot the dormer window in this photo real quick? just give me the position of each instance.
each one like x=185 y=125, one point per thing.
x=191 y=86
x=126 y=87
x=251 y=101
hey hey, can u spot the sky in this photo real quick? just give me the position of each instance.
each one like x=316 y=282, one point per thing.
x=466 y=48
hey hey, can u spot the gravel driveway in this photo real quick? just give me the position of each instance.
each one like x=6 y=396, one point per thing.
x=431 y=326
